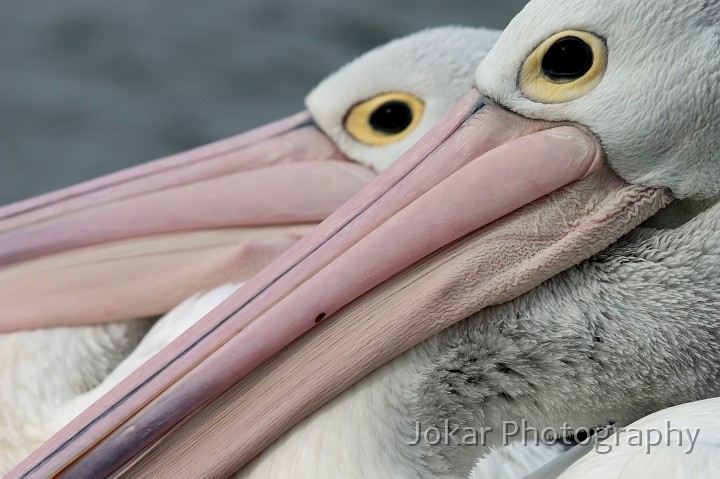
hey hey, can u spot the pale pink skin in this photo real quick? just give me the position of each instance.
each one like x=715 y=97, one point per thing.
x=290 y=193
x=134 y=278
x=85 y=254
x=462 y=176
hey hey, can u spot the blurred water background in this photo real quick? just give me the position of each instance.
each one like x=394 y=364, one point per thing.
x=92 y=86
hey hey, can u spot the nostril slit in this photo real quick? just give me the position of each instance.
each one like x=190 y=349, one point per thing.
x=320 y=317
x=482 y=103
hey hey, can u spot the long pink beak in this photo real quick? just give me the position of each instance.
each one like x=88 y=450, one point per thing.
x=138 y=242
x=485 y=208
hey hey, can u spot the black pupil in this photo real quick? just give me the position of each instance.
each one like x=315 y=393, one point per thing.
x=568 y=59
x=391 y=117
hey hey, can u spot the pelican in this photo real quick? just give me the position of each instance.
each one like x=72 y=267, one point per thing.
x=501 y=271
x=67 y=258
x=130 y=235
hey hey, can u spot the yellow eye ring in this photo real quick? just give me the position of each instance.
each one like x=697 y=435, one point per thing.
x=565 y=67
x=385 y=118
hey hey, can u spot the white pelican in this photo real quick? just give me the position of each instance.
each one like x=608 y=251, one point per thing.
x=101 y=271
x=478 y=222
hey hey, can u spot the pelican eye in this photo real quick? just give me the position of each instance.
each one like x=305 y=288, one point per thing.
x=385 y=118
x=567 y=60
x=565 y=67
x=392 y=117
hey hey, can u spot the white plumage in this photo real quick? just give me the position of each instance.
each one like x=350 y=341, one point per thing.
x=675 y=443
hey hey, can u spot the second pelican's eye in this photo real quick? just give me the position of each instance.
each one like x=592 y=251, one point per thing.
x=564 y=67
x=385 y=118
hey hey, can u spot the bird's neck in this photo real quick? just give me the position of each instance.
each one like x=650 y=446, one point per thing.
x=630 y=331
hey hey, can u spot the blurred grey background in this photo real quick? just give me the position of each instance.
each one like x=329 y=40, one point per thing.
x=92 y=86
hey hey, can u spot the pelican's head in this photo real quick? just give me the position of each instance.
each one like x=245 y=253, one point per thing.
x=138 y=242
x=594 y=111
x=642 y=77
x=382 y=103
